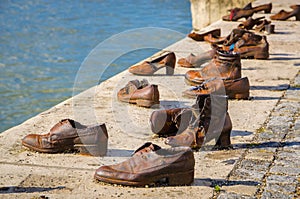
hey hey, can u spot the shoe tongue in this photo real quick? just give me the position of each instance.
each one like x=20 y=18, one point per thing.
x=147 y=147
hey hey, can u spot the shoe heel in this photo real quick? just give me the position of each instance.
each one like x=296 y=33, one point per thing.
x=146 y=103
x=297 y=17
x=244 y=96
x=261 y=55
x=169 y=70
x=183 y=178
x=92 y=150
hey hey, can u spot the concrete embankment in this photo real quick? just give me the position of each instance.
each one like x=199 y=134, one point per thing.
x=266 y=132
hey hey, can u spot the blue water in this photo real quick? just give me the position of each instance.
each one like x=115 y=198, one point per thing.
x=43 y=44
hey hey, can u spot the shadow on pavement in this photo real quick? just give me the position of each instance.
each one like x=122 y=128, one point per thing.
x=17 y=189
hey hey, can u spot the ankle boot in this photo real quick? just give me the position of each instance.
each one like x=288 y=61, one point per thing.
x=226 y=65
x=205 y=124
x=69 y=135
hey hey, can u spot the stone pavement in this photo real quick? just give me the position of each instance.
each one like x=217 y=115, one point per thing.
x=272 y=158
x=263 y=164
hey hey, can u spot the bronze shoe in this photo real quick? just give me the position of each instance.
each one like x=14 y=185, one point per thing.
x=193 y=61
x=267 y=8
x=250 y=23
x=284 y=15
x=69 y=135
x=234 y=89
x=251 y=48
x=212 y=121
x=146 y=96
x=170 y=121
x=226 y=65
x=238 y=13
x=151 y=164
x=200 y=36
x=261 y=27
x=150 y=67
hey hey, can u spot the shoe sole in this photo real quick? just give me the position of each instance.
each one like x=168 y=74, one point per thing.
x=175 y=179
x=90 y=150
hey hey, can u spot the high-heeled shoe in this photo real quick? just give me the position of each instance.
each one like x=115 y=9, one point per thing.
x=284 y=15
x=247 y=11
x=267 y=8
x=150 y=67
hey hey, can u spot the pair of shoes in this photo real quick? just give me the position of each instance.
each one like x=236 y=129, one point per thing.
x=207 y=119
x=285 y=15
x=140 y=93
x=221 y=76
x=247 y=11
x=242 y=41
x=151 y=164
x=69 y=135
x=150 y=67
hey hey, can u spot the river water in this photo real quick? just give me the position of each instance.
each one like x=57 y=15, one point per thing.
x=43 y=44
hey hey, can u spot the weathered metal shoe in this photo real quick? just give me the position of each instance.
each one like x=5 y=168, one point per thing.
x=255 y=46
x=193 y=61
x=212 y=121
x=151 y=164
x=234 y=89
x=250 y=23
x=167 y=61
x=144 y=95
x=170 y=121
x=247 y=11
x=238 y=13
x=285 y=15
x=200 y=36
x=69 y=135
x=226 y=65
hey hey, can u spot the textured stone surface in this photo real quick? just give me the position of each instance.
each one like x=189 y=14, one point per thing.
x=263 y=164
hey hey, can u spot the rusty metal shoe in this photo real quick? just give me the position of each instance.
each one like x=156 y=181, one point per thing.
x=69 y=135
x=170 y=121
x=267 y=8
x=212 y=121
x=251 y=48
x=146 y=96
x=167 y=61
x=193 y=61
x=250 y=23
x=238 y=13
x=200 y=36
x=234 y=89
x=226 y=65
x=247 y=11
x=285 y=15
x=151 y=164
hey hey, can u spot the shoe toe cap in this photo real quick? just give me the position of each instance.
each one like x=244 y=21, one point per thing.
x=30 y=140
